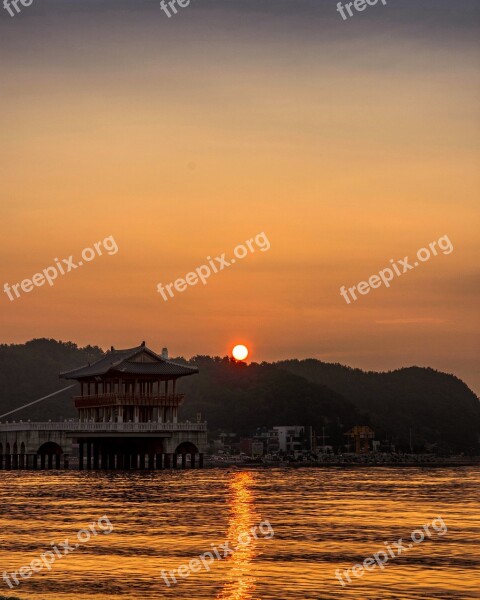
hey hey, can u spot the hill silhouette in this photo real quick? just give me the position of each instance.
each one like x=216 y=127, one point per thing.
x=239 y=398
x=436 y=409
x=29 y=371
x=433 y=407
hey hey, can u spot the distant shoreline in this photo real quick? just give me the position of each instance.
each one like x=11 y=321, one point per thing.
x=447 y=462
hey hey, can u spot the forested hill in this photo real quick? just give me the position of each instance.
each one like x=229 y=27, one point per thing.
x=437 y=408
x=240 y=398
x=30 y=371
x=434 y=406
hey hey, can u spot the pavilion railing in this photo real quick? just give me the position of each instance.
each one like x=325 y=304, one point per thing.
x=79 y=426
x=97 y=400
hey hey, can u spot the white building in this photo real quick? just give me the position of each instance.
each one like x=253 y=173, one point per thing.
x=291 y=438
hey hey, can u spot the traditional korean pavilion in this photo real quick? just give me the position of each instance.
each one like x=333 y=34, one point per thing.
x=127 y=419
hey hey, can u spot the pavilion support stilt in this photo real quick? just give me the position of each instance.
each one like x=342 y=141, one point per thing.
x=80 y=456
x=89 y=455
x=120 y=461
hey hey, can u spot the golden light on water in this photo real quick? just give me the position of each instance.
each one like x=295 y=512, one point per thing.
x=241 y=582
x=324 y=520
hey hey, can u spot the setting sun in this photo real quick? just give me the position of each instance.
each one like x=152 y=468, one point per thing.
x=240 y=352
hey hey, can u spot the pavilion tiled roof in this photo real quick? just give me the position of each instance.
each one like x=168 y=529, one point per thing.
x=117 y=362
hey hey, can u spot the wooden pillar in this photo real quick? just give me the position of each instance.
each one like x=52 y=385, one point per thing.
x=66 y=462
x=142 y=460
x=167 y=461
x=50 y=461
x=120 y=460
x=184 y=461
x=96 y=451
x=89 y=454
x=200 y=460
x=192 y=463
x=159 y=464
x=80 y=455
x=57 y=461
x=35 y=462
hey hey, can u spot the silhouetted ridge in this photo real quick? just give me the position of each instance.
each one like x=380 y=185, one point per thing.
x=434 y=410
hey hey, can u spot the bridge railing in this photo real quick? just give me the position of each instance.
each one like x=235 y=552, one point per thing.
x=78 y=426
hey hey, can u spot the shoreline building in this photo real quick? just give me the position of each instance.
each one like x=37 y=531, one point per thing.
x=295 y=438
x=361 y=436
x=127 y=419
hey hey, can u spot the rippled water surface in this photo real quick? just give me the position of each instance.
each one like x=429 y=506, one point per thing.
x=323 y=520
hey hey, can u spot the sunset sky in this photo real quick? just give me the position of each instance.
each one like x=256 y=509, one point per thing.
x=348 y=143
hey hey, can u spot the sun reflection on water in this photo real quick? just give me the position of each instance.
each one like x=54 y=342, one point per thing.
x=241 y=583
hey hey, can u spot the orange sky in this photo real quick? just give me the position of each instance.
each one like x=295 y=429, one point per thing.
x=347 y=143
